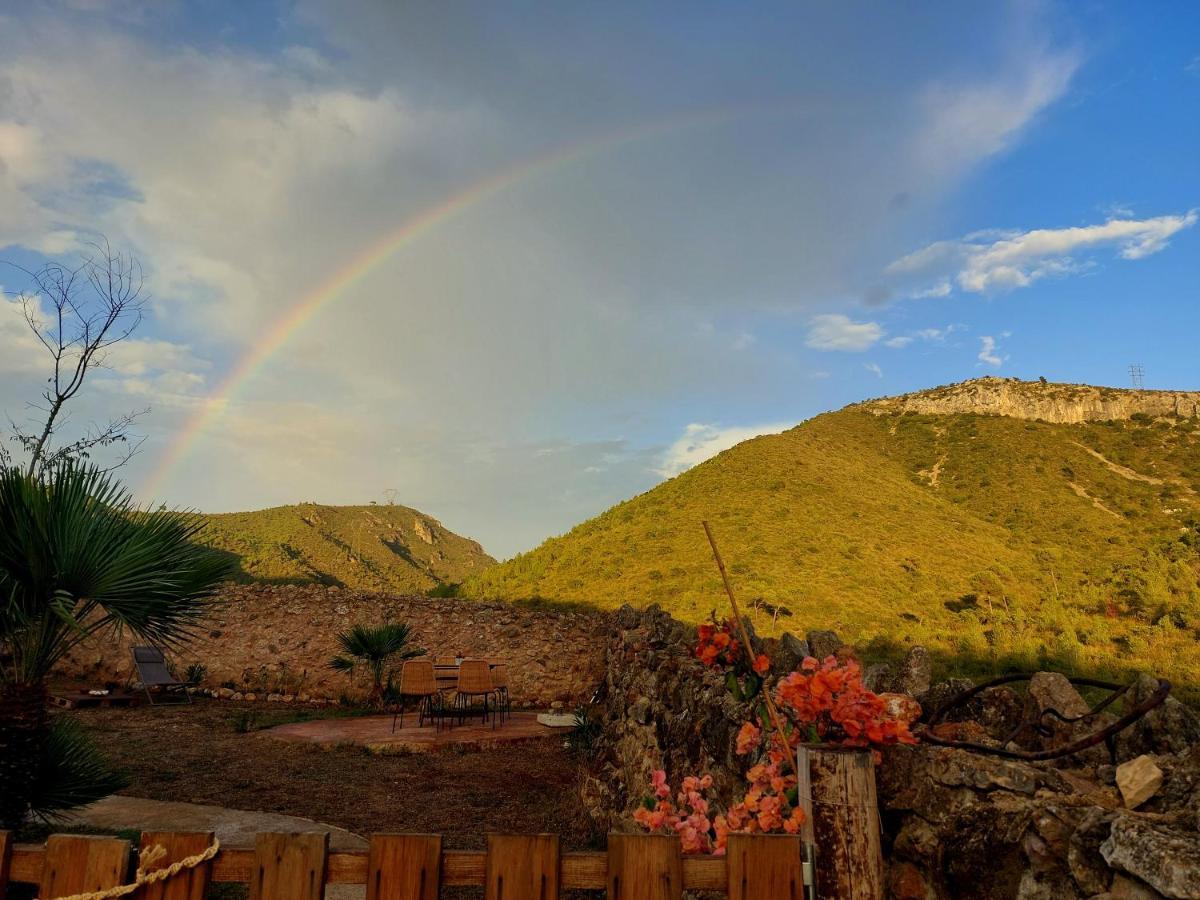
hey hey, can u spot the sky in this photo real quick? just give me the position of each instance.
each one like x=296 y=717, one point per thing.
x=511 y=263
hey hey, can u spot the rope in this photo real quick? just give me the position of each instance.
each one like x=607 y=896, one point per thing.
x=146 y=858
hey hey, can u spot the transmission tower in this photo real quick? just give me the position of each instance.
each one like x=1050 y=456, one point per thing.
x=1137 y=376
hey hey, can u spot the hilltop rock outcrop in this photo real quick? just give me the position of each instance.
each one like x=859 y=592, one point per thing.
x=1064 y=404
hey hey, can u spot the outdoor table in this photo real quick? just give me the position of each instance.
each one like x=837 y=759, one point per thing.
x=447 y=673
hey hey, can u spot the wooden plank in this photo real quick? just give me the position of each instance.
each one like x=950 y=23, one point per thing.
x=404 y=867
x=6 y=845
x=764 y=867
x=522 y=867
x=289 y=866
x=588 y=870
x=644 y=867
x=76 y=864
x=849 y=849
x=188 y=884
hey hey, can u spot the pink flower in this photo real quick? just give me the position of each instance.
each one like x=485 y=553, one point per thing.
x=658 y=780
x=748 y=738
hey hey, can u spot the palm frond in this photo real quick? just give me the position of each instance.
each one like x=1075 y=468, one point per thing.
x=73 y=772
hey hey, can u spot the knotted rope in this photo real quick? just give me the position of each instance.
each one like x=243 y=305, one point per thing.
x=146 y=858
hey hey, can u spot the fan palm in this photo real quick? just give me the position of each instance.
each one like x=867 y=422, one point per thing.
x=374 y=647
x=77 y=559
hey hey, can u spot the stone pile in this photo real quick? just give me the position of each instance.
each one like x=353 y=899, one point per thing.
x=957 y=823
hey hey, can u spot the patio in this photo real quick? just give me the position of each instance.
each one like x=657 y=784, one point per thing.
x=375 y=733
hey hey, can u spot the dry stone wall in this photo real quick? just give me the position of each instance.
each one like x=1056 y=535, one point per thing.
x=276 y=641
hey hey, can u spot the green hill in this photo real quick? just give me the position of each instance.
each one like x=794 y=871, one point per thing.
x=377 y=548
x=998 y=541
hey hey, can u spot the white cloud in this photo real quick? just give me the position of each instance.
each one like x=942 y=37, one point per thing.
x=988 y=262
x=874 y=369
x=928 y=335
x=989 y=352
x=834 y=331
x=966 y=122
x=700 y=442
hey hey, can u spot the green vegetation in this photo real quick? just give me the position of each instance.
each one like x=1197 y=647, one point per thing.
x=78 y=559
x=374 y=548
x=997 y=542
x=373 y=648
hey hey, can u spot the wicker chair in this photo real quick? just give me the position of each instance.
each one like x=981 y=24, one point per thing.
x=417 y=680
x=500 y=688
x=474 y=682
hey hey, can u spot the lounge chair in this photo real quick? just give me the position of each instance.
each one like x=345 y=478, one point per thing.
x=152 y=670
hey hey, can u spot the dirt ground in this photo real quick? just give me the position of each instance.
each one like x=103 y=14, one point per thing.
x=203 y=754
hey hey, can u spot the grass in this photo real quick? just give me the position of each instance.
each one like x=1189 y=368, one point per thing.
x=375 y=548
x=1036 y=544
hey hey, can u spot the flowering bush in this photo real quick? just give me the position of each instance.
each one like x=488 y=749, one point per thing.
x=821 y=702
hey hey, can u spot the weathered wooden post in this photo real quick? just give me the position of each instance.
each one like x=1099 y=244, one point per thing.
x=841 y=832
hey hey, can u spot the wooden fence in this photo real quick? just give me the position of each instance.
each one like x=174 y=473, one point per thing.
x=415 y=867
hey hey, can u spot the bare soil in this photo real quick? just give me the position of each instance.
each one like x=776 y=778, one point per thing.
x=202 y=754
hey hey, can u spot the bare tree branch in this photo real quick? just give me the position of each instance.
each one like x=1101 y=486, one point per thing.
x=92 y=306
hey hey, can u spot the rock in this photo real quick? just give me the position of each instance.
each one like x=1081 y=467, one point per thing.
x=225 y=693
x=943 y=692
x=902 y=707
x=251 y=696
x=1000 y=711
x=792 y=651
x=971 y=732
x=1053 y=690
x=1047 y=885
x=1138 y=780
x=1169 y=728
x=238 y=695
x=1083 y=853
x=823 y=643
x=914 y=675
x=274 y=698
x=905 y=882
x=1168 y=861
x=917 y=840
x=878 y=678
x=627 y=617
x=1125 y=888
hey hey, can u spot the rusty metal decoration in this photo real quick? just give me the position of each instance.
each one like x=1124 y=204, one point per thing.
x=1036 y=722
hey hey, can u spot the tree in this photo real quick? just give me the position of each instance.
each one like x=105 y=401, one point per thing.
x=78 y=559
x=77 y=313
x=374 y=647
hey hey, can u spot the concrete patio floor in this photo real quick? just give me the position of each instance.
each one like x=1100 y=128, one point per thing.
x=375 y=733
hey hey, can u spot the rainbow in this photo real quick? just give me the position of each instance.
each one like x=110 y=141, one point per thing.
x=311 y=304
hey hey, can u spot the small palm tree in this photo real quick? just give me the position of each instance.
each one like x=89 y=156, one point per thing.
x=77 y=559
x=373 y=647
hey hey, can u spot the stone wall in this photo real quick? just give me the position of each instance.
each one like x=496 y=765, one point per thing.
x=278 y=639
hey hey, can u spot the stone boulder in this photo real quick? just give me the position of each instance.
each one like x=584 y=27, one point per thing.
x=823 y=643
x=1168 y=861
x=1169 y=728
x=1138 y=780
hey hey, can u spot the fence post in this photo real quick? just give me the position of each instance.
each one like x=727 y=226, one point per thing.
x=404 y=867
x=76 y=864
x=644 y=867
x=189 y=884
x=522 y=867
x=289 y=866
x=6 y=843
x=764 y=867
x=842 y=806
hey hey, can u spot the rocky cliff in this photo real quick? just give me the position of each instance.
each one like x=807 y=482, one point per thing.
x=1064 y=404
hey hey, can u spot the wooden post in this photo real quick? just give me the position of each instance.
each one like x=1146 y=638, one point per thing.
x=189 y=884
x=644 y=867
x=6 y=843
x=289 y=866
x=522 y=867
x=404 y=867
x=841 y=806
x=76 y=864
x=764 y=867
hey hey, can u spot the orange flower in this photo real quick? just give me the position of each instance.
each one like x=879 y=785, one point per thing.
x=762 y=665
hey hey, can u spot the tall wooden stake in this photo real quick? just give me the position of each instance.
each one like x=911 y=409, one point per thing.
x=772 y=711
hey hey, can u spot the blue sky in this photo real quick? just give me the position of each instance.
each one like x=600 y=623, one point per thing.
x=825 y=202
